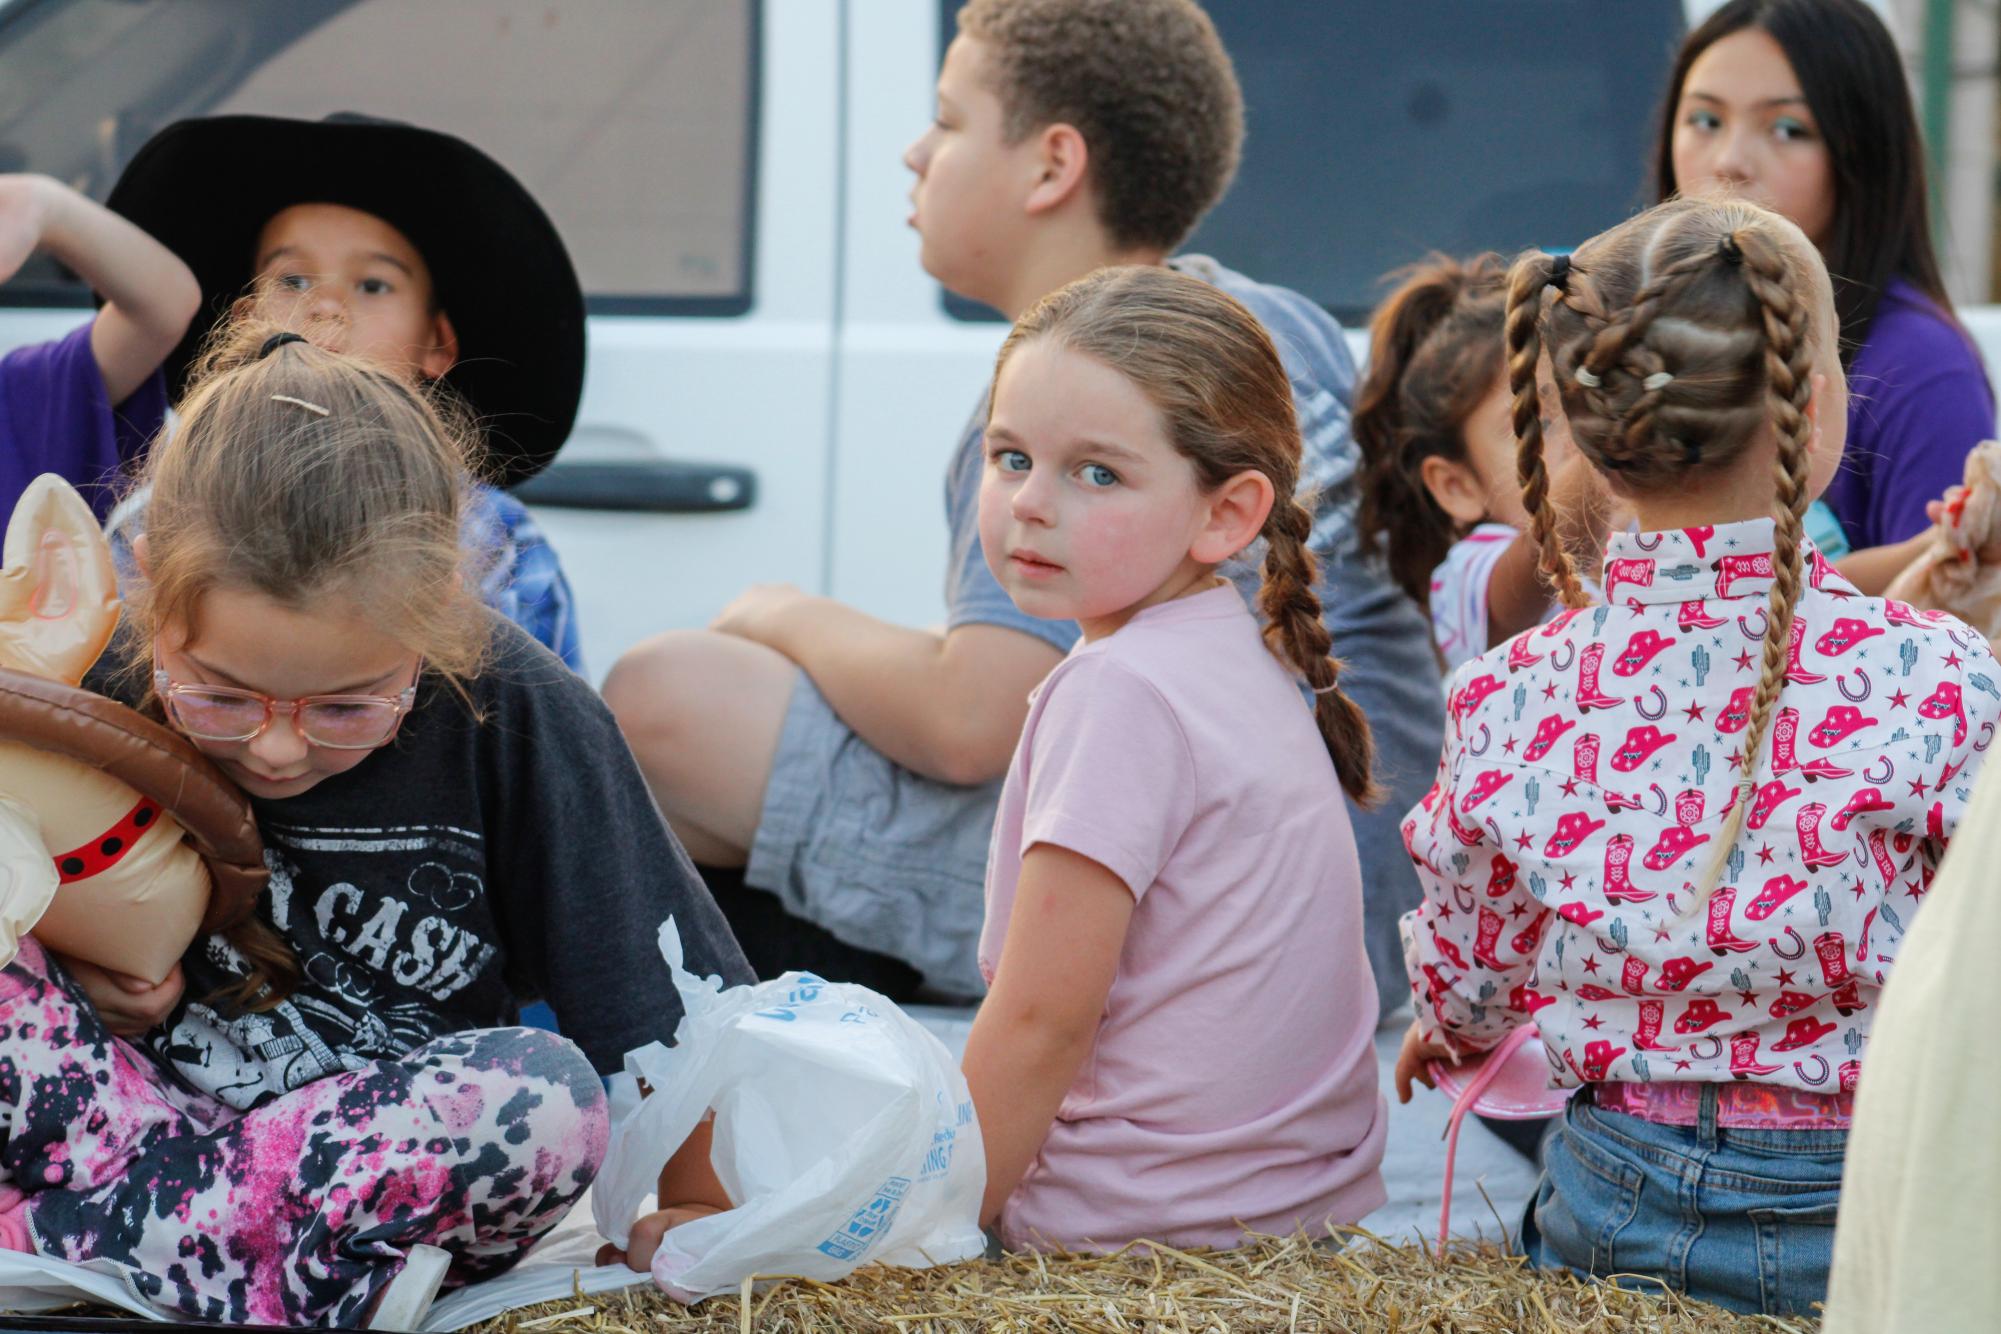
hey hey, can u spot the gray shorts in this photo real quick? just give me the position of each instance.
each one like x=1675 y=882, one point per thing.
x=883 y=858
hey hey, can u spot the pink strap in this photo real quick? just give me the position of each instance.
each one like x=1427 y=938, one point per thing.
x=1497 y=1059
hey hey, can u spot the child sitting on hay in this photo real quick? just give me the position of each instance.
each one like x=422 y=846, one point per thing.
x=1177 y=1043
x=1699 y=928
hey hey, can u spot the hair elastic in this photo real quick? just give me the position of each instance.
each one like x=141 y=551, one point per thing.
x=1559 y=273
x=1327 y=689
x=278 y=340
x=1732 y=252
x=301 y=403
x=1587 y=379
x=1658 y=380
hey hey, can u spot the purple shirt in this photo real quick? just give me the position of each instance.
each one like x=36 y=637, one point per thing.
x=1918 y=401
x=55 y=417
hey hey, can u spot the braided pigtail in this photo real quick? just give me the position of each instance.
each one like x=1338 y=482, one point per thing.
x=1294 y=631
x=1531 y=274
x=1789 y=377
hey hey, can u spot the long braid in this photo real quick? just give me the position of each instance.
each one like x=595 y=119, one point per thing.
x=1788 y=373
x=1294 y=631
x=1532 y=273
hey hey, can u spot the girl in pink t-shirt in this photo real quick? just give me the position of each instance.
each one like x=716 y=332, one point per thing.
x=1177 y=1043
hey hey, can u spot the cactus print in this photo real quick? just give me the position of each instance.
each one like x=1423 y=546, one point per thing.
x=298 y=1212
x=1558 y=852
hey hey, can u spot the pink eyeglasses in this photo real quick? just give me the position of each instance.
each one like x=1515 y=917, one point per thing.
x=337 y=722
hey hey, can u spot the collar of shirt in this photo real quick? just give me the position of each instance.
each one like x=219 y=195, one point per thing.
x=1726 y=562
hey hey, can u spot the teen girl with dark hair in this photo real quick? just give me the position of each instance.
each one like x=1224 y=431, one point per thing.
x=1802 y=105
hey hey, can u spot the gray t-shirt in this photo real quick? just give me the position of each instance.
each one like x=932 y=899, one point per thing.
x=1381 y=636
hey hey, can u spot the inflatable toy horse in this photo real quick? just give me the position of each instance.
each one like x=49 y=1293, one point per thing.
x=118 y=840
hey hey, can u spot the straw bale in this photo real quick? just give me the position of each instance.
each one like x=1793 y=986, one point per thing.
x=1276 y=1284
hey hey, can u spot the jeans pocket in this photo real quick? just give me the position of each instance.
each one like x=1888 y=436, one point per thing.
x=1795 y=1249
x=1588 y=1199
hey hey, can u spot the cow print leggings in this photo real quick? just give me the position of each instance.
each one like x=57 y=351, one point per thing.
x=301 y=1210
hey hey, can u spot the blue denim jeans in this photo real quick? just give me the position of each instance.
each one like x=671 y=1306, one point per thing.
x=1741 y=1218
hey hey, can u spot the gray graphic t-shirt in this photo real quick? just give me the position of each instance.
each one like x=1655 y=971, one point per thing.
x=500 y=850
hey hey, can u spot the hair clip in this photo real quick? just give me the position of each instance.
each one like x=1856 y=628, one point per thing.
x=1658 y=380
x=278 y=340
x=301 y=403
x=1587 y=379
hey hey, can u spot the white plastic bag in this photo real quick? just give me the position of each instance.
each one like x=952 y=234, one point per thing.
x=844 y=1131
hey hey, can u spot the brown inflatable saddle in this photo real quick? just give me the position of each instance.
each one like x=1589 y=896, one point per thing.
x=119 y=841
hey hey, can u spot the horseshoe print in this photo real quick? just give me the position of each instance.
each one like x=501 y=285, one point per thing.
x=1462 y=897
x=1758 y=635
x=1953 y=635
x=1889 y=769
x=1986 y=737
x=1695 y=1048
x=1799 y=945
x=1659 y=711
x=1841 y=683
x=1799 y=1068
x=1648 y=541
x=1661 y=809
x=1564 y=664
x=1486 y=741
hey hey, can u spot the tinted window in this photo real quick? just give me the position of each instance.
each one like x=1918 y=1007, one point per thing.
x=1379 y=132
x=632 y=121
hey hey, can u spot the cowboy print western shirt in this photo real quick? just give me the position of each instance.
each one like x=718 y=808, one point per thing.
x=1589 y=763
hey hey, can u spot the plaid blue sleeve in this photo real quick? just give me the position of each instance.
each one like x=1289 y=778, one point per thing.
x=521 y=576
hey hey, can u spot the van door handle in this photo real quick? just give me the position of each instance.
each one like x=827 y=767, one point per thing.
x=662 y=486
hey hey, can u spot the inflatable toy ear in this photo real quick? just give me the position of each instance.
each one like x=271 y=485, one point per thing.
x=58 y=590
x=146 y=840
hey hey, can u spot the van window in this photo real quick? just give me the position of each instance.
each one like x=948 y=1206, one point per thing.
x=1376 y=133
x=632 y=121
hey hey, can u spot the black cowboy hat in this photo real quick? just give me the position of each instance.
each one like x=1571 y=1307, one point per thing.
x=206 y=188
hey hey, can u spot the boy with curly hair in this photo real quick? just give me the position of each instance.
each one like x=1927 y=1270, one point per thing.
x=852 y=766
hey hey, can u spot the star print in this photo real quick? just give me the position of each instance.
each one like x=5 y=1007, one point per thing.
x=1748 y=997
x=1914 y=889
x=1917 y=787
x=1445 y=909
x=1952 y=660
x=1591 y=964
x=1570 y=787
x=1785 y=977
x=1517 y=910
x=1736 y=761
x=1508 y=746
x=1568 y=880
x=1899 y=700
x=1661 y=933
x=1592 y=1022
x=1549 y=691
x=1681 y=1064
x=1856 y=890
x=1765 y=855
x=1743 y=661
x=1522 y=840
x=1693 y=713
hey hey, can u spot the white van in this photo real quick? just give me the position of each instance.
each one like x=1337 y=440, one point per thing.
x=774 y=385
